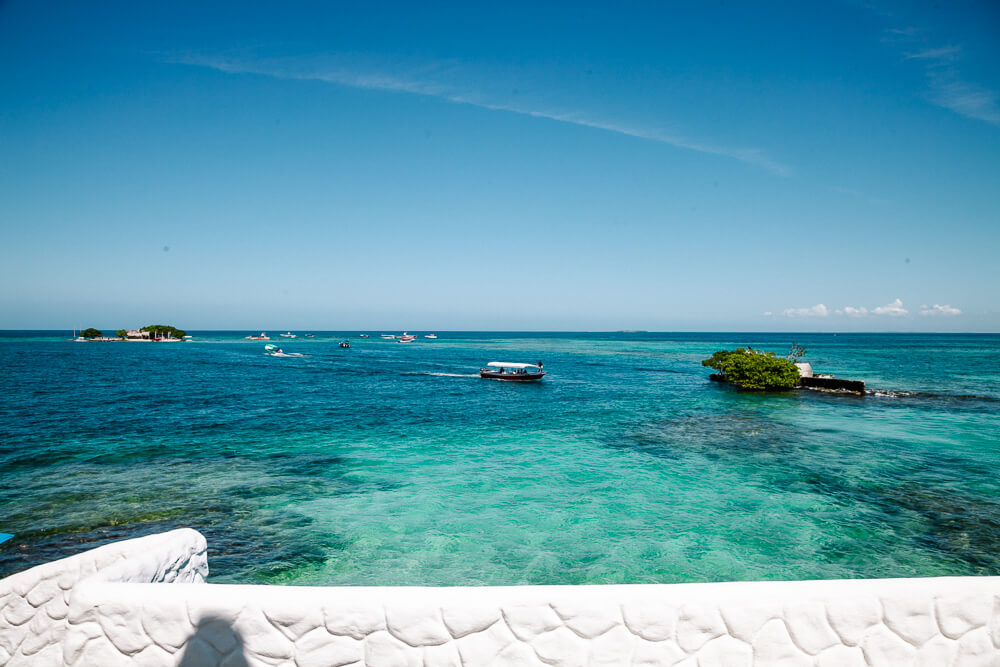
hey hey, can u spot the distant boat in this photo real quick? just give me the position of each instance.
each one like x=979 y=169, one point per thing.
x=388 y=336
x=407 y=336
x=310 y=335
x=430 y=336
x=262 y=336
x=405 y=340
x=363 y=336
x=512 y=372
x=344 y=343
x=288 y=335
x=275 y=351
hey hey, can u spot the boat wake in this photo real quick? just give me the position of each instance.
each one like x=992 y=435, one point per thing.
x=286 y=354
x=453 y=375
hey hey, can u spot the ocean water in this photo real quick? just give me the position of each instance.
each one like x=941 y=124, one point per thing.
x=395 y=464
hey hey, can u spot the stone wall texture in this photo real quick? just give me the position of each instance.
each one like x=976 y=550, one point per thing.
x=110 y=607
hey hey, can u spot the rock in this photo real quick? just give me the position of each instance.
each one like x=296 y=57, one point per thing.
x=416 y=625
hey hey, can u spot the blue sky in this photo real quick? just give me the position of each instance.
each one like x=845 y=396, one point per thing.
x=798 y=166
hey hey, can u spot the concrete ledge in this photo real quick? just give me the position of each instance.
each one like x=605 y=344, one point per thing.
x=934 y=621
x=833 y=384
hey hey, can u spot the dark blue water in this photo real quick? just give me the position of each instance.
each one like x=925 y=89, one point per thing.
x=395 y=464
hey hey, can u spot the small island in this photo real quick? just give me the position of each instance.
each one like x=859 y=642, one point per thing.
x=756 y=370
x=154 y=333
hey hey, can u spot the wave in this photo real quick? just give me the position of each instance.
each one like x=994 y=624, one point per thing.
x=930 y=395
x=453 y=375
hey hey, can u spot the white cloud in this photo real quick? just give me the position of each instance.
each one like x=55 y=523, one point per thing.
x=439 y=80
x=894 y=309
x=943 y=311
x=819 y=310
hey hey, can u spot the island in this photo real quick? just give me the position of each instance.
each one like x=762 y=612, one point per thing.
x=756 y=370
x=154 y=333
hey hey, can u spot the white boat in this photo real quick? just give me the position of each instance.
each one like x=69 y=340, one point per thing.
x=262 y=336
x=388 y=336
x=408 y=336
x=430 y=336
x=405 y=340
x=288 y=335
x=512 y=371
x=275 y=351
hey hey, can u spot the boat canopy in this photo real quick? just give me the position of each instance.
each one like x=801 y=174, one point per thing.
x=507 y=364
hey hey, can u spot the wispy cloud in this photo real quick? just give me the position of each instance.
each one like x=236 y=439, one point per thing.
x=819 y=310
x=439 y=80
x=941 y=53
x=949 y=89
x=940 y=311
x=968 y=99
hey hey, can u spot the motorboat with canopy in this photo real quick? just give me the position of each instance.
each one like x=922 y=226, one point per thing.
x=513 y=372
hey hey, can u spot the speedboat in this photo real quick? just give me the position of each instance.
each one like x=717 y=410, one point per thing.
x=275 y=351
x=388 y=336
x=310 y=335
x=430 y=336
x=512 y=372
x=287 y=335
x=262 y=336
x=406 y=340
x=408 y=336
x=344 y=343
x=363 y=336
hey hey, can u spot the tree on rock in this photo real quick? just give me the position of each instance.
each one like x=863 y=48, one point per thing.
x=751 y=369
x=121 y=333
x=90 y=333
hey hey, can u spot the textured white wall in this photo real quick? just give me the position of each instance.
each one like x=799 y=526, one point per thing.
x=34 y=604
x=939 y=622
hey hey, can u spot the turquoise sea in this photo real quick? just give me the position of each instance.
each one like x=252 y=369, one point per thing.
x=395 y=464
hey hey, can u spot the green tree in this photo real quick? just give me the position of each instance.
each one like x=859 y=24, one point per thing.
x=720 y=357
x=757 y=371
x=165 y=330
x=90 y=333
x=121 y=333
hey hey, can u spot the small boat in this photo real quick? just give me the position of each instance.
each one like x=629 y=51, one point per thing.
x=344 y=343
x=388 y=336
x=310 y=335
x=408 y=336
x=430 y=336
x=405 y=340
x=287 y=335
x=513 y=372
x=275 y=351
x=262 y=336
x=363 y=336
